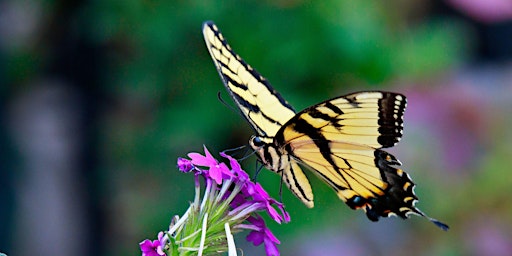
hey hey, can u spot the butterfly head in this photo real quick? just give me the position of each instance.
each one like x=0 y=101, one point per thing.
x=256 y=142
x=267 y=152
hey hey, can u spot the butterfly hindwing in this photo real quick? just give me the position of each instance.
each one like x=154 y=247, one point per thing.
x=261 y=105
x=363 y=177
x=338 y=140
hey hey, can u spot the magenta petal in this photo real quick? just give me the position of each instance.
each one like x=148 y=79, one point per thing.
x=263 y=235
x=261 y=191
x=206 y=160
x=258 y=193
x=151 y=248
x=255 y=237
x=271 y=248
x=219 y=172
x=237 y=169
x=161 y=238
x=184 y=165
x=269 y=235
x=223 y=168
x=207 y=153
x=216 y=175
x=286 y=215
x=211 y=160
x=198 y=159
x=223 y=154
x=237 y=201
x=274 y=214
x=146 y=245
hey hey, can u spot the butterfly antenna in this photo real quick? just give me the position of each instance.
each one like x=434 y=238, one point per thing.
x=219 y=96
x=234 y=149
x=248 y=153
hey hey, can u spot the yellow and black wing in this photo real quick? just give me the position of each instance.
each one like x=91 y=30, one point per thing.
x=339 y=140
x=260 y=104
x=374 y=119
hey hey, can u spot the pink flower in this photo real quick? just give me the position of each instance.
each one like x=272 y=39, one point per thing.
x=217 y=171
x=261 y=234
x=256 y=191
x=236 y=168
x=185 y=165
x=151 y=248
x=243 y=207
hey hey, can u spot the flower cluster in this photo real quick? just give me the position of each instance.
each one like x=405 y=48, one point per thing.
x=231 y=203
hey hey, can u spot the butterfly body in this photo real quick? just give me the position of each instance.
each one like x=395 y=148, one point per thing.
x=340 y=140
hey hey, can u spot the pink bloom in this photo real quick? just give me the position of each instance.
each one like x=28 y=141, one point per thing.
x=184 y=165
x=260 y=195
x=217 y=170
x=237 y=201
x=244 y=206
x=261 y=234
x=151 y=248
x=236 y=168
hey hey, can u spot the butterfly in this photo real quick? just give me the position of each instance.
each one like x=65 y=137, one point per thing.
x=340 y=140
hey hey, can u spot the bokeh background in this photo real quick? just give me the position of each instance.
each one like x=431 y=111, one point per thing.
x=99 y=98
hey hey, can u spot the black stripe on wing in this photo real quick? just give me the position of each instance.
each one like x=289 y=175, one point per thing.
x=391 y=109
x=249 y=104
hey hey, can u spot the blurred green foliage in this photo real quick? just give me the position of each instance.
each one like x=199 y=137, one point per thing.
x=310 y=51
x=163 y=102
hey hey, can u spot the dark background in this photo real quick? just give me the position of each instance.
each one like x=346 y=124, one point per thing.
x=99 y=98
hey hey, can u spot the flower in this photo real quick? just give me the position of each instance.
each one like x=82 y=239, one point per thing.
x=236 y=168
x=152 y=248
x=230 y=203
x=261 y=234
x=260 y=195
x=184 y=165
x=256 y=191
x=217 y=170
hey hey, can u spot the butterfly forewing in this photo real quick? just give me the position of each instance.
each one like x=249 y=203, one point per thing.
x=260 y=104
x=370 y=118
